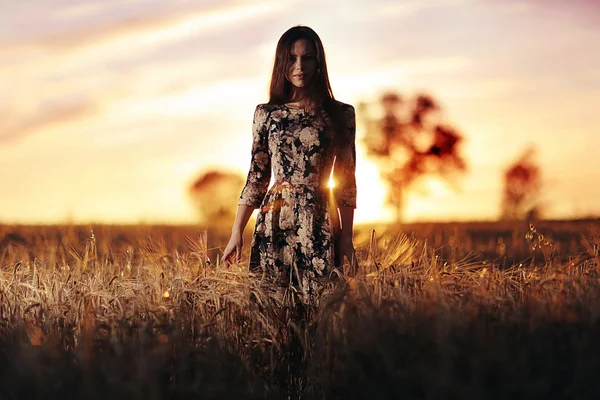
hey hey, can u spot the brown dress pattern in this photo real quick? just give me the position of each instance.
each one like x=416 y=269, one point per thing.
x=293 y=238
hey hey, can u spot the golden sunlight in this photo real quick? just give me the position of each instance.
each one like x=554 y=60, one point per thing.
x=371 y=194
x=435 y=187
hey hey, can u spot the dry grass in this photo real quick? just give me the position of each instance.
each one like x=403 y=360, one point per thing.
x=143 y=312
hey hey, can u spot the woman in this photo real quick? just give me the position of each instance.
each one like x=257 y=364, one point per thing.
x=303 y=229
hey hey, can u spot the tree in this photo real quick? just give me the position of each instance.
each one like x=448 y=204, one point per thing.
x=410 y=141
x=522 y=183
x=214 y=194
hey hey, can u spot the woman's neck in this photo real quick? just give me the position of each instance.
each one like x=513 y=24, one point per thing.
x=300 y=99
x=301 y=95
x=296 y=104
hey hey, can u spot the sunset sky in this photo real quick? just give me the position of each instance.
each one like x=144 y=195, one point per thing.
x=109 y=108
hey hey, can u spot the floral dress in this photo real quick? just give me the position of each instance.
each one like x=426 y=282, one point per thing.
x=294 y=236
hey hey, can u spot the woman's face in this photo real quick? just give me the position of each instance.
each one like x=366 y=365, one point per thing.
x=303 y=63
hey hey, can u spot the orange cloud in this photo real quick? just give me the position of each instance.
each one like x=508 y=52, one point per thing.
x=146 y=29
x=53 y=116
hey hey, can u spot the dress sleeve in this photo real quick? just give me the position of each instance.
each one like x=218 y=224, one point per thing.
x=259 y=174
x=345 y=163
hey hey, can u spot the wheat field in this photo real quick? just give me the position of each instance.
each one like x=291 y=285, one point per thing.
x=488 y=310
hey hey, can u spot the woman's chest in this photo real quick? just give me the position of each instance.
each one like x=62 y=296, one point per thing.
x=306 y=135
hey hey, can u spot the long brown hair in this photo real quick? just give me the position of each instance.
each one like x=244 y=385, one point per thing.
x=321 y=95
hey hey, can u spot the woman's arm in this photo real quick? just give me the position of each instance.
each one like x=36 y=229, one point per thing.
x=256 y=185
x=242 y=217
x=236 y=241
x=345 y=189
x=347 y=220
x=346 y=243
x=344 y=169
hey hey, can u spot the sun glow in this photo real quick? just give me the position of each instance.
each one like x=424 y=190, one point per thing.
x=371 y=194
x=331 y=183
x=371 y=191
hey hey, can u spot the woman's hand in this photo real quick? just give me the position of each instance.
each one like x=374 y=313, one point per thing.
x=347 y=250
x=233 y=248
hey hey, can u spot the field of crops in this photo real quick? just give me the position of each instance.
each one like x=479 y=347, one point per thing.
x=471 y=310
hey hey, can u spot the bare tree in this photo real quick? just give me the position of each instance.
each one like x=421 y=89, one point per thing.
x=410 y=141
x=522 y=184
x=214 y=194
